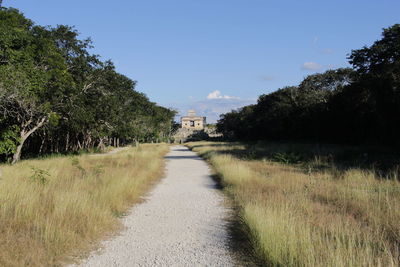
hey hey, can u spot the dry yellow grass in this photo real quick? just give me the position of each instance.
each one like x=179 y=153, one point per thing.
x=53 y=208
x=311 y=218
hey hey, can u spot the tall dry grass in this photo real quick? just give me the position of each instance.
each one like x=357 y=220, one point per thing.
x=53 y=208
x=301 y=217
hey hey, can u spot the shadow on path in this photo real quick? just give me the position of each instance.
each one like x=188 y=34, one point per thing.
x=183 y=157
x=241 y=246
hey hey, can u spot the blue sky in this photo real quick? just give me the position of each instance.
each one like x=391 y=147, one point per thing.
x=215 y=55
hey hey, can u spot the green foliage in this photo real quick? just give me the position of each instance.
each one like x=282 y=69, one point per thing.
x=39 y=176
x=382 y=57
x=54 y=119
x=286 y=157
x=9 y=139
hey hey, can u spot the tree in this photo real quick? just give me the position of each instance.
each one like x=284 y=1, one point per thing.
x=61 y=98
x=383 y=57
x=28 y=114
x=319 y=87
x=274 y=112
x=379 y=69
x=33 y=75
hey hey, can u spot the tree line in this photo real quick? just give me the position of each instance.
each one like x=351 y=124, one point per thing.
x=358 y=105
x=57 y=97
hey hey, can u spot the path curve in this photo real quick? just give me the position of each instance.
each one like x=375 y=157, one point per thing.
x=181 y=223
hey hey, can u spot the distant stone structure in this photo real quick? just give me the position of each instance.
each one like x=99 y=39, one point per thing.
x=194 y=128
x=193 y=122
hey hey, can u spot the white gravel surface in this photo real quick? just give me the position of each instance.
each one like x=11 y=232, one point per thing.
x=181 y=223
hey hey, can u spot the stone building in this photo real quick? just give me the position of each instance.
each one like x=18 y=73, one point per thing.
x=193 y=122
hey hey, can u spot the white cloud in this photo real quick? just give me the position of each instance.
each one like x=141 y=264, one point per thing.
x=217 y=95
x=311 y=66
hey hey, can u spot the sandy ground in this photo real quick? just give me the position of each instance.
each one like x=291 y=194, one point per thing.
x=181 y=223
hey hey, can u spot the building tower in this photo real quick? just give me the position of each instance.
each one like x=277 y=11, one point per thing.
x=191 y=121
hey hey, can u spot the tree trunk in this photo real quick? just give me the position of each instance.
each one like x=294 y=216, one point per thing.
x=57 y=145
x=51 y=145
x=42 y=144
x=17 y=154
x=79 y=145
x=25 y=133
x=67 y=142
x=101 y=145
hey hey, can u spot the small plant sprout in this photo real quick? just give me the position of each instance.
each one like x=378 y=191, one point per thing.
x=39 y=176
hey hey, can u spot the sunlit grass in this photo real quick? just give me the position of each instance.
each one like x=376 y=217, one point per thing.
x=58 y=207
x=311 y=218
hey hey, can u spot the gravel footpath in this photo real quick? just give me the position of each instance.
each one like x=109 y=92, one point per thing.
x=181 y=223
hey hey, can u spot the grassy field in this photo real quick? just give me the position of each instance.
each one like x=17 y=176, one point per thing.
x=55 y=208
x=305 y=210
